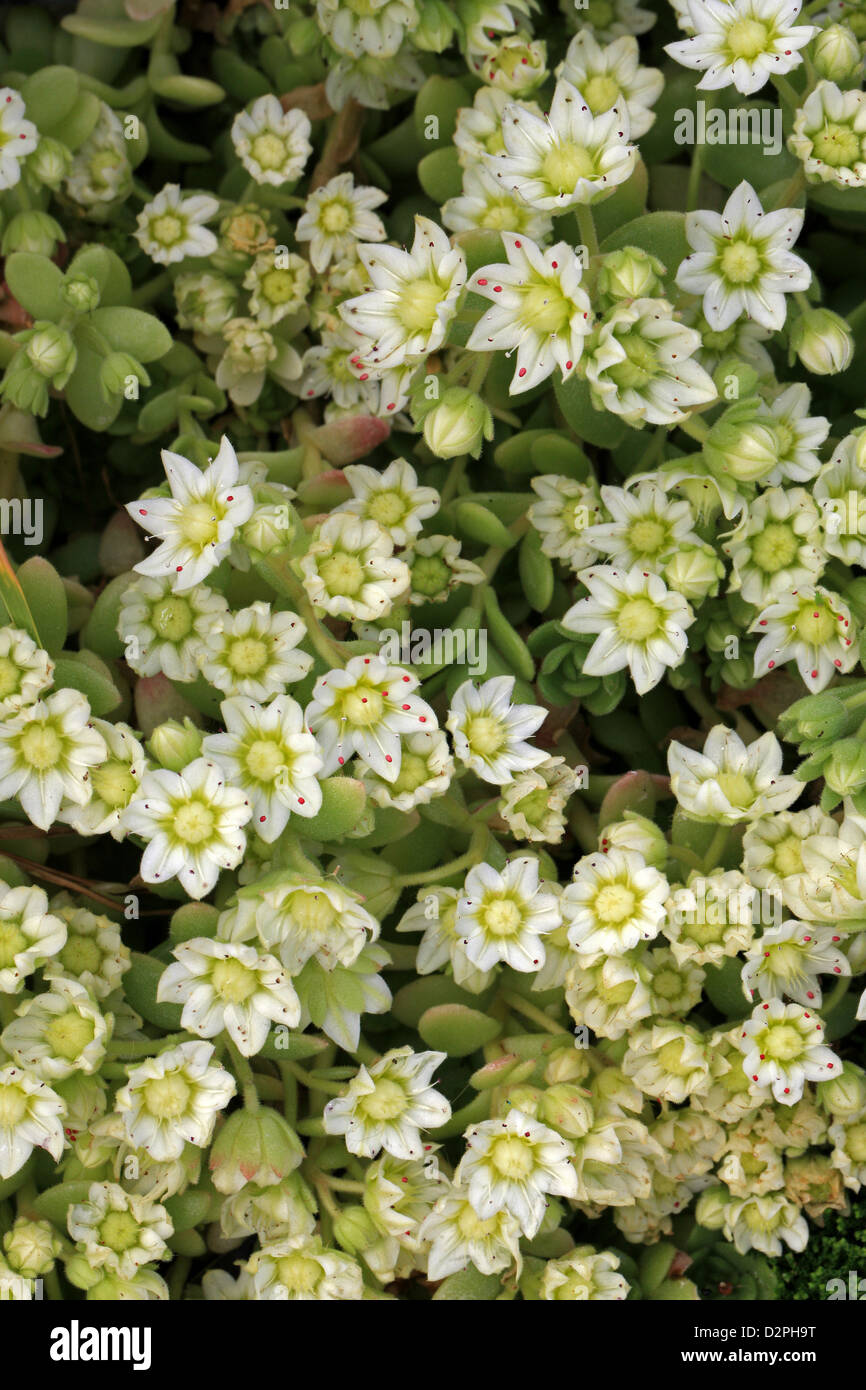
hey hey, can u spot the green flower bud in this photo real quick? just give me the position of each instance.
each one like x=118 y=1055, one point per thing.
x=51 y=352
x=734 y=380
x=258 y=1147
x=822 y=341
x=630 y=274
x=49 y=163
x=31 y=1247
x=304 y=37
x=205 y=301
x=525 y=1098
x=710 y=1207
x=741 y=445
x=85 y=1101
x=80 y=1274
x=354 y=1231
x=695 y=571
x=568 y=1109
x=567 y=1064
x=32 y=231
x=24 y=387
x=836 y=53
x=80 y=293
x=435 y=27
x=845 y=1095
x=815 y=718
x=175 y=745
x=636 y=832
x=120 y=372
x=845 y=769
x=457 y=424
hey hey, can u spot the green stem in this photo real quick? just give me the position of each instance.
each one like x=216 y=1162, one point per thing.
x=792 y=190
x=586 y=225
x=145 y=1047
x=150 y=290
x=178 y=1275
x=682 y=855
x=290 y=1093
x=694 y=184
x=522 y=1006
x=344 y=1184
x=473 y=855
x=452 y=482
x=288 y=854
x=313 y=1082
x=695 y=428
x=712 y=859
x=583 y=825
x=837 y=993
x=787 y=93
x=244 y=1074
x=51 y=1283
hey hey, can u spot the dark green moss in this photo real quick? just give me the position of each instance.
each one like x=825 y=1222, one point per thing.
x=833 y=1250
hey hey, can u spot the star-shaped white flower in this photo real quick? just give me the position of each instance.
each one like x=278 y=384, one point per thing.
x=393 y=498
x=338 y=215
x=743 y=43
x=18 y=137
x=811 y=626
x=272 y=144
x=363 y=709
x=227 y=986
x=490 y=732
x=729 y=782
x=196 y=524
x=171 y=227
x=783 y=1047
x=501 y=916
x=173 y=1099
x=255 y=652
x=641 y=624
x=47 y=753
x=741 y=262
x=539 y=308
x=387 y=1105
x=267 y=751
x=30 y=1118
x=512 y=1164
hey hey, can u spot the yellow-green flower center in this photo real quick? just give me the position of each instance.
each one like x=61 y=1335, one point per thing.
x=10 y=677
x=81 y=955
x=775 y=548
x=418 y=306
x=268 y=150
x=648 y=536
x=166 y=1097
x=12 y=941
x=113 y=783
x=247 y=656
x=501 y=917
x=788 y=856
x=737 y=788
x=173 y=619
x=815 y=624
x=41 y=746
x=342 y=574
x=233 y=981
x=614 y=904
x=545 y=309
x=68 y=1034
x=837 y=145
x=298 y=1274
x=279 y=286
x=783 y=1042
x=265 y=759
x=740 y=262
x=199 y=525
x=512 y=1157
x=565 y=164
x=363 y=706
x=119 y=1231
x=670 y=1058
x=13 y=1106
x=414 y=772
x=472 y=1227
x=430 y=575
x=485 y=735
x=638 y=619
x=335 y=218
x=600 y=92
x=640 y=364
x=388 y=508
x=747 y=38
x=167 y=229
x=193 y=822
x=386 y=1102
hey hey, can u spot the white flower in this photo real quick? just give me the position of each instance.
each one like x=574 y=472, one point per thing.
x=173 y=1099
x=299 y=920
x=812 y=627
x=610 y=75
x=832 y=884
x=426 y=769
x=511 y=1165
x=350 y=569
x=272 y=144
x=29 y=1118
x=25 y=670
x=745 y=43
x=614 y=902
x=640 y=366
x=568 y=158
x=392 y=498
x=252 y=354
x=485 y=203
x=783 y=1048
x=533 y=804
x=766 y=1223
x=300 y=1269
x=741 y=263
x=336 y=216
x=406 y=313
x=539 y=309
x=829 y=136
x=562 y=516
x=788 y=960
x=119 y=1231
x=326 y=370
x=93 y=953
x=387 y=1105
x=435 y=914
x=163 y=631
x=59 y=1032
x=777 y=546
x=490 y=732
x=30 y=935
x=609 y=994
x=47 y=753
x=773 y=845
x=267 y=751
x=501 y=916
x=799 y=435
x=378 y=28
x=667 y=1060
x=840 y=491
x=197 y=522
x=363 y=709
x=18 y=137
x=253 y=653
x=278 y=285
x=113 y=783
x=729 y=782
x=648 y=526
x=192 y=822
x=641 y=624
x=458 y=1236
x=711 y=916
x=373 y=81
x=225 y=985
x=479 y=127
x=171 y=227
x=584 y=1275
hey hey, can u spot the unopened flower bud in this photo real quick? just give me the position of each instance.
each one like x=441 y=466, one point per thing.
x=32 y=231
x=836 y=53
x=630 y=274
x=457 y=424
x=695 y=571
x=354 y=1231
x=51 y=351
x=845 y=1095
x=566 y=1108
x=175 y=745
x=49 y=163
x=435 y=27
x=567 y=1064
x=742 y=446
x=711 y=1206
x=205 y=301
x=258 y=1147
x=822 y=341
x=80 y=293
x=845 y=769
x=734 y=380
x=525 y=1098
x=638 y=833
x=120 y=375
x=31 y=1247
